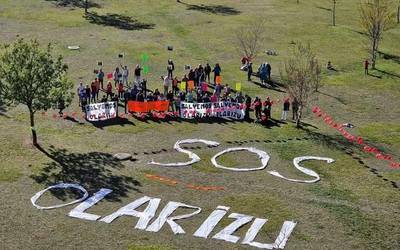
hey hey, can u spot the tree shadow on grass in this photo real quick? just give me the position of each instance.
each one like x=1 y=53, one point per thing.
x=333 y=142
x=213 y=9
x=118 y=21
x=323 y=8
x=75 y=3
x=388 y=56
x=337 y=98
x=94 y=170
x=390 y=74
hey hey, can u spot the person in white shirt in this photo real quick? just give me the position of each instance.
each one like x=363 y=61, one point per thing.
x=125 y=75
x=166 y=84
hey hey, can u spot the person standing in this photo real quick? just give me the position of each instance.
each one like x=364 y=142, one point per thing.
x=170 y=68
x=185 y=80
x=125 y=75
x=127 y=97
x=263 y=73
x=100 y=77
x=170 y=99
x=166 y=83
x=249 y=71
x=207 y=71
x=247 y=108
x=109 y=90
x=97 y=83
x=217 y=72
x=81 y=93
x=120 y=90
x=214 y=97
x=218 y=90
x=94 y=91
x=268 y=72
x=87 y=94
x=267 y=108
x=286 y=108
x=175 y=88
x=257 y=107
x=137 y=73
x=366 y=66
x=134 y=92
x=200 y=74
x=116 y=76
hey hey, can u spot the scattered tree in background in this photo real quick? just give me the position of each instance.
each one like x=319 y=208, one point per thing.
x=376 y=17
x=249 y=38
x=334 y=13
x=31 y=76
x=301 y=75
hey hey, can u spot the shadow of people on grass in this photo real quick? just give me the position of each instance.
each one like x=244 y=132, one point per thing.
x=3 y=109
x=94 y=170
x=118 y=21
x=213 y=9
x=111 y=122
x=75 y=3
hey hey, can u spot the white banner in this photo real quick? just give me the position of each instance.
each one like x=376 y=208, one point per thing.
x=101 y=111
x=231 y=110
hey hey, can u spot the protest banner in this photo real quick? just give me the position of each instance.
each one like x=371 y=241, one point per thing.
x=145 y=107
x=212 y=109
x=101 y=111
x=218 y=79
x=238 y=86
x=183 y=86
x=190 y=85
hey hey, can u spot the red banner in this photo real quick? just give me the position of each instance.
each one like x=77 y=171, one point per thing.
x=145 y=107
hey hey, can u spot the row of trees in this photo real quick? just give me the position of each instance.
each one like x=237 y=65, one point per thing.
x=301 y=73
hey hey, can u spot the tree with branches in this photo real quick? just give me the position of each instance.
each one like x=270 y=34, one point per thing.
x=31 y=76
x=376 y=17
x=250 y=37
x=301 y=75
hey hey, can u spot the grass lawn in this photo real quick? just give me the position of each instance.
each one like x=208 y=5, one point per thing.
x=356 y=204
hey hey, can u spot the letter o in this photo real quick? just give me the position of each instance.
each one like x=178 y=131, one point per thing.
x=264 y=157
x=61 y=185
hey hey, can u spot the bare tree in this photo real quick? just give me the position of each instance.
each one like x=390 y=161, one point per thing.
x=301 y=75
x=250 y=37
x=376 y=17
x=334 y=13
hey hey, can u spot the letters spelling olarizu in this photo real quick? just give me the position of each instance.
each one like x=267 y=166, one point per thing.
x=165 y=217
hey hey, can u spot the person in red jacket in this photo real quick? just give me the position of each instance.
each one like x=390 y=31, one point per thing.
x=120 y=90
x=366 y=65
x=109 y=90
x=267 y=108
x=257 y=108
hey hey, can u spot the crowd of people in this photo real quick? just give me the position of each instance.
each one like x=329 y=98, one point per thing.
x=118 y=88
x=263 y=71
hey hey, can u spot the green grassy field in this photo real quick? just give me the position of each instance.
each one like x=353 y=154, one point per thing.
x=352 y=207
